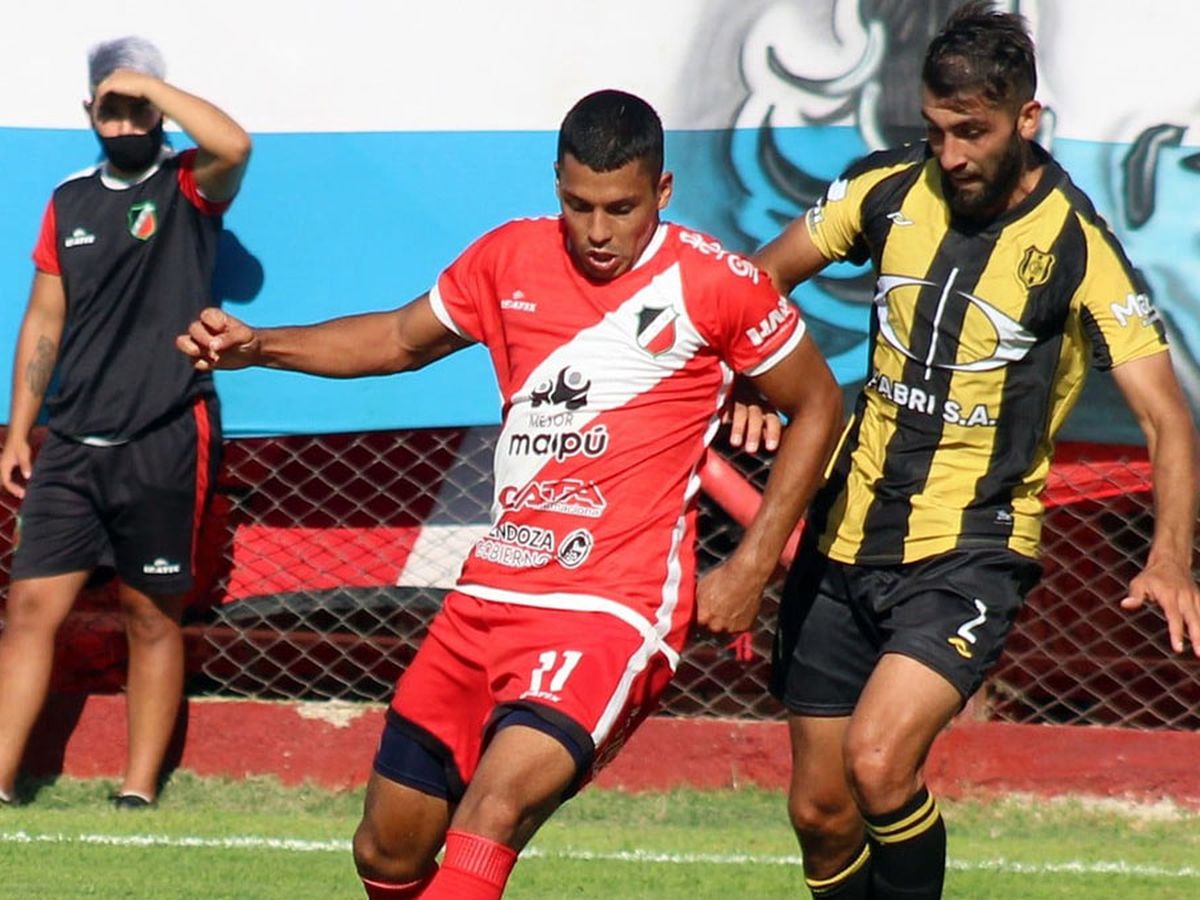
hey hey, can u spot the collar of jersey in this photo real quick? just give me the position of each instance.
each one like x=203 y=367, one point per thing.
x=660 y=235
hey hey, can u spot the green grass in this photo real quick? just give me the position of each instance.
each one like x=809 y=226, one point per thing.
x=218 y=839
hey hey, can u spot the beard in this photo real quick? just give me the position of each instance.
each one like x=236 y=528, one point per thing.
x=990 y=198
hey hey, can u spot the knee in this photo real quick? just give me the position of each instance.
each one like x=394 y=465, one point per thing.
x=493 y=813
x=880 y=775
x=150 y=625
x=399 y=864
x=819 y=816
x=30 y=613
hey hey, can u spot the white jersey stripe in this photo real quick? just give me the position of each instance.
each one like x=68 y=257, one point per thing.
x=577 y=603
x=592 y=351
x=617 y=702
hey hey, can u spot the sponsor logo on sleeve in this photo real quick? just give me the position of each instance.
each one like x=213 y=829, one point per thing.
x=1136 y=307
x=783 y=313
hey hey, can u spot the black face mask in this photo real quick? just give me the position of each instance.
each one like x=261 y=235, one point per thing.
x=134 y=152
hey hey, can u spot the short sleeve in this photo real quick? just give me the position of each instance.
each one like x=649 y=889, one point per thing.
x=464 y=297
x=737 y=309
x=836 y=222
x=45 y=252
x=1117 y=314
x=189 y=188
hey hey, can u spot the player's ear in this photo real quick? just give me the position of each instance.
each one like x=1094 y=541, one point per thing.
x=1029 y=119
x=666 y=183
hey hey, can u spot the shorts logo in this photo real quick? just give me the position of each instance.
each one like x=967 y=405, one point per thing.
x=1035 y=268
x=965 y=638
x=143 y=220
x=162 y=566
x=575 y=548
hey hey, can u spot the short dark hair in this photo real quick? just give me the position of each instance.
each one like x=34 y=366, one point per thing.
x=981 y=50
x=609 y=129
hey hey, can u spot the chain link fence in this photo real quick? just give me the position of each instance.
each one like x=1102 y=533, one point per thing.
x=325 y=557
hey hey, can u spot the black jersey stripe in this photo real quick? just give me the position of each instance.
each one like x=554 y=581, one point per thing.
x=956 y=266
x=1022 y=431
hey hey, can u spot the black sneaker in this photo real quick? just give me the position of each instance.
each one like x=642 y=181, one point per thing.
x=130 y=801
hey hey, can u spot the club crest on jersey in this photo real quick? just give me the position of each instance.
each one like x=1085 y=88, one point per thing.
x=656 y=329
x=143 y=220
x=1035 y=267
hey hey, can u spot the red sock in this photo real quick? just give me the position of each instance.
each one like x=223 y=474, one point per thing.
x=474 y=868
x=381 y=890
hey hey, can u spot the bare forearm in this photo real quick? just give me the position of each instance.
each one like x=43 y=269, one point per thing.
x=795 y=474
x=213 y=130
x=348 y=347
x=1173 y=459
x=37 y=352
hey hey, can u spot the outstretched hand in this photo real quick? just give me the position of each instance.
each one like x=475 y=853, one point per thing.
x=1170 y=586
x=217 y=340
x=752 y=420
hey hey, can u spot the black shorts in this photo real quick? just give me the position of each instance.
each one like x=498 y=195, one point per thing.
x=951 y=612
x=135 y=506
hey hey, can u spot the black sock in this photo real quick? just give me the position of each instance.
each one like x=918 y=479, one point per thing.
x=908 y=850
x=853 y=882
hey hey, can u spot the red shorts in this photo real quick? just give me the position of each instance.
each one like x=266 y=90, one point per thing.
x=588 y=673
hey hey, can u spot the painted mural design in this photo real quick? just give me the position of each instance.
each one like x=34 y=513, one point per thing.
x=828 y=84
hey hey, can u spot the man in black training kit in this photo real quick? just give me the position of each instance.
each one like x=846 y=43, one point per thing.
x=997 y=285
x=124 y=261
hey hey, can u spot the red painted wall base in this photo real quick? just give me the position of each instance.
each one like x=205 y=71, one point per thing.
x=332 y=745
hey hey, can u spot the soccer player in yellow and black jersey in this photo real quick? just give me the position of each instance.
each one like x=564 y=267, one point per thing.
x=997 y=286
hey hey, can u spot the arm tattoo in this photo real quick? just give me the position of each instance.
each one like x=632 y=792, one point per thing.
x=41 y=367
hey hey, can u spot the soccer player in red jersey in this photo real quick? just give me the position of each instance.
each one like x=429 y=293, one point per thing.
x=615 y=338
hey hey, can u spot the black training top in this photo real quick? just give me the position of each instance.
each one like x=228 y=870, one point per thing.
x=136 y=262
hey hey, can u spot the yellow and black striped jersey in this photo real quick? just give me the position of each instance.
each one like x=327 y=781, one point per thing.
x=979 y=344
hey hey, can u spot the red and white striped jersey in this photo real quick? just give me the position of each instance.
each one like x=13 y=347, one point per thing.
x=611 y=392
